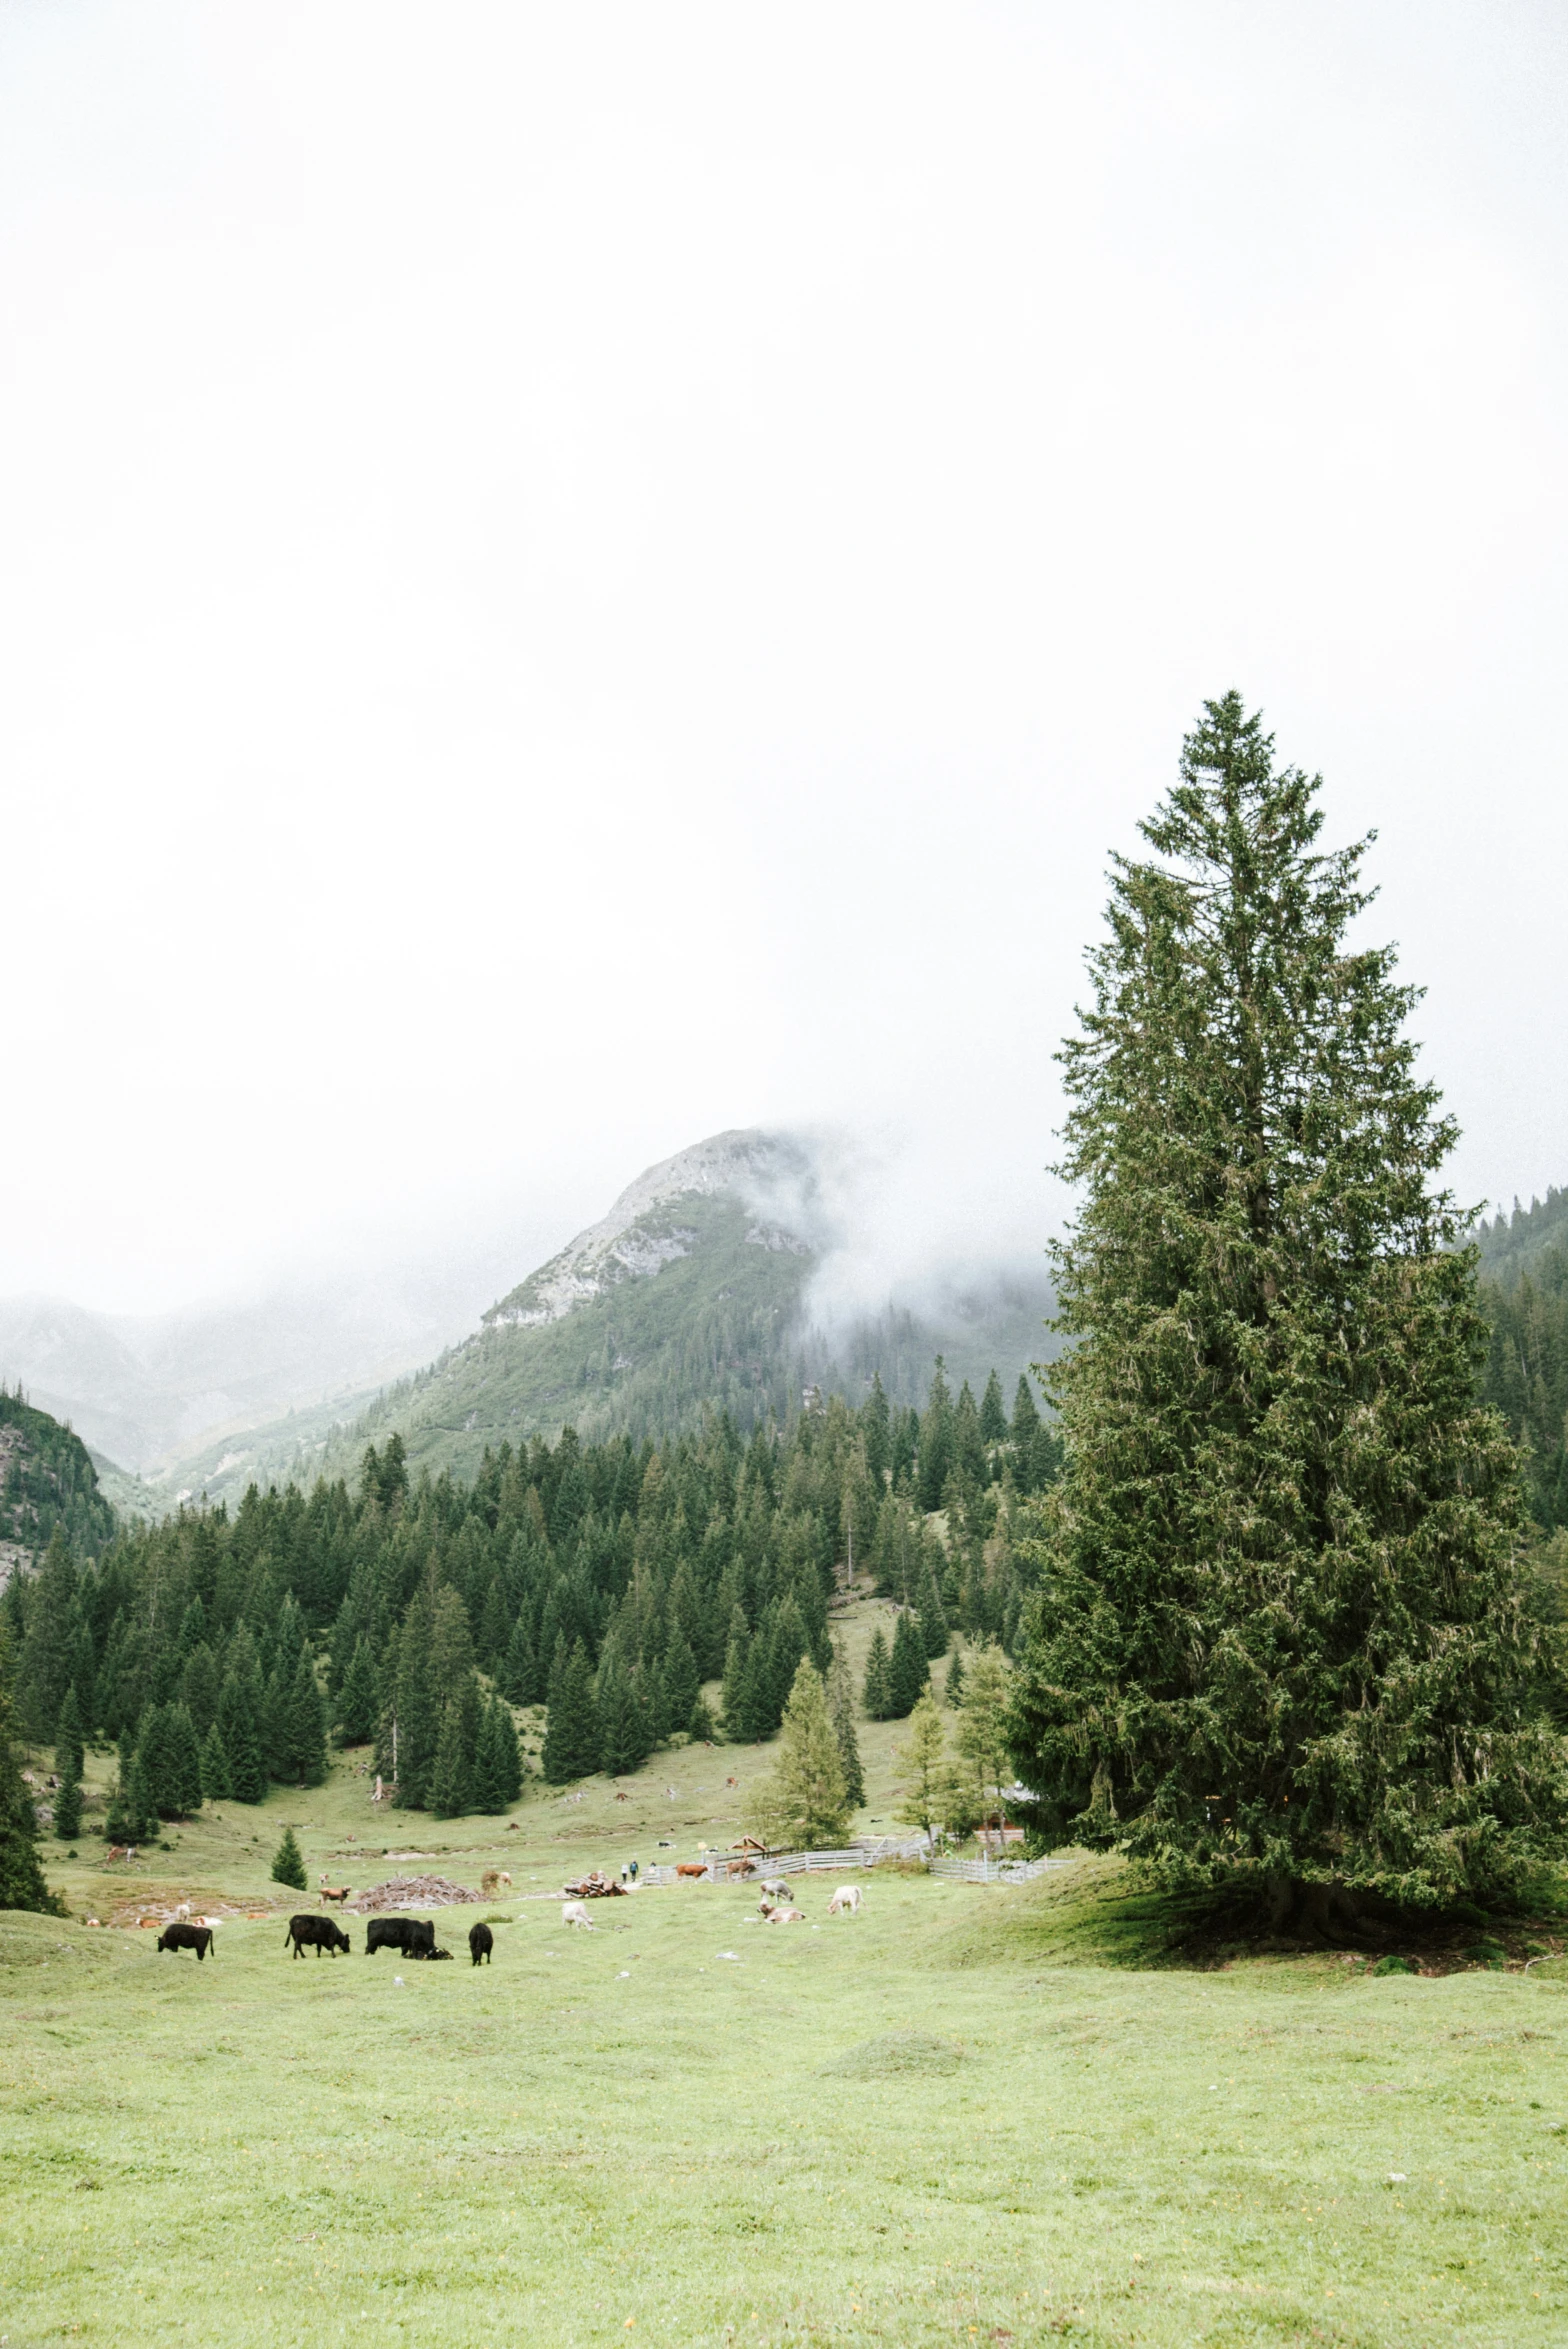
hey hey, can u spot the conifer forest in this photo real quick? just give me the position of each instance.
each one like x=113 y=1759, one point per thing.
x=608 y=1583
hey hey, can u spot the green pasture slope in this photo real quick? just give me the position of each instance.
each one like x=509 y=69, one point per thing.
x=965 y=2116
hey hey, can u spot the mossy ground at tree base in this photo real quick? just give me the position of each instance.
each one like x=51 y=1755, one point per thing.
x=973 y=2113
x=1100 y=1911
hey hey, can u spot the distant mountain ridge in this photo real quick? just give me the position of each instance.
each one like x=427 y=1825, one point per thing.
x=693 y=1294
x=633 y=1241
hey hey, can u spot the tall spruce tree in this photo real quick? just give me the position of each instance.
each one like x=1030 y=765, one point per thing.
x=1279 y=1629
x=217 y=1780
x=571 y=1732
x=237 y=1727
x=22 y=1883
x=357 y=1697
x=69 y=1752
x=908 y=1671
x=841 y=1704
x=804 y=1797
x=876 y=1695
x=288 y=1863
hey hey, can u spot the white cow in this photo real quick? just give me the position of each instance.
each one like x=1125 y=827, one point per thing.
x=575 y=1912
x=846 y=1897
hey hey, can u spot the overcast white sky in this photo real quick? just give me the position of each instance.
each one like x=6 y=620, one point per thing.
x=574 y=577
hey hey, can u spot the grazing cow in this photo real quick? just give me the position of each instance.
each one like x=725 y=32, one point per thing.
x=847 y=1898
x=732 y=1782
x=691 y=1868
x=414 y=1936
x=775 y=1888
x=575 y=1912
x=184 y=1909
x=505 y=1878
x=318 y=1933
x=196 y=1937
x=481 y=1941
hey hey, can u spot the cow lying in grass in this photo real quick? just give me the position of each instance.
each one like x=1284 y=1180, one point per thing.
x=776 y=1912
x=200 y=1938
x=319 y=1933
x=414 y=1936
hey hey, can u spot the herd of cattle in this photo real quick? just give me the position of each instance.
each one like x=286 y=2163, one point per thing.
x=415 y=1937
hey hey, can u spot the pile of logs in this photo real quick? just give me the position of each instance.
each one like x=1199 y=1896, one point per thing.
x=594 y=1886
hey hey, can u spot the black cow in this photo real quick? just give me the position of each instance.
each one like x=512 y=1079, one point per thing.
x=481 y=1941
x=414 y=1936
x=432 y=1953
x=200 y=1938
x=318 y=1933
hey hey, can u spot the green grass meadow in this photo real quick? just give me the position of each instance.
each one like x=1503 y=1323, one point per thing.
x=971 y=2114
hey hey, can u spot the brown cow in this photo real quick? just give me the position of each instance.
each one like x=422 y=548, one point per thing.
x=691 y=1867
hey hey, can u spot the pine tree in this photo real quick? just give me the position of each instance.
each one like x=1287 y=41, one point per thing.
x=571 y=1735
x=877 y=1696
x=983 y=1724
x=140 y=1804
x=953 y=1689
x=679 y=1686
x=237 y=1727
x=936 y=1440
x=415 y=1707
x=217 y=1779
x=519 y=1672
x=736 y=1651
x=449 y=1777
x=926 y=1792
x=908 y=1672
x=623 y=1735
x=182 y=1763
x=357 y=1703
x=1279 y=1634
x=155 y=1767
x=993 y=1412
x=841 y=1704
x=933 y=1623
x=199 y=1686
x=485 y=1779
x=288 y=1864
x=1025 y=1432
x=509 y=1758
x=22 y=1883
x=68 y=1807
x=69 y=1752
x=805 y=1798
